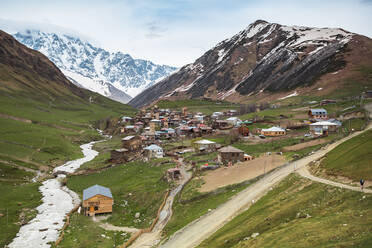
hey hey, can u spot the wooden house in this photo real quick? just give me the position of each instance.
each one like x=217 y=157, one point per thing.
x=132 y=143
x=273 y=131
x=230 y=154
x=318 y=114
x=97 y=200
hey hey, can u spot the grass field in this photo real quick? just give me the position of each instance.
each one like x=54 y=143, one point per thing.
x=41 y=131
x=83 y=232
x=16 y=199
x=195 y=105
x=300 y=213
x=136 y=187
x=352 y=159
x=192 y=204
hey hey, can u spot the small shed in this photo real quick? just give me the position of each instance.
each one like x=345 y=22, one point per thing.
x=248 y=157
x=206 y=145
x=174 y=173
x=273 y=131
x=97 y=200
x=154 y=151
x=230 y=154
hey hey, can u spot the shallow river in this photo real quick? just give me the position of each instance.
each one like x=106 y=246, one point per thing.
x=57 y=202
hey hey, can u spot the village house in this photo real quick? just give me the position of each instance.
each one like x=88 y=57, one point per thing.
x=230 y=154
x=368 y=94
x=154 y=151
x=126 y=119
x=323 y=127
x=232 y=112
x=97 y=200
x=148 y=137
x=273 y=131
x=156 y=122
x=233 y=121
x=216 y=115
x=205 y=145
x=173 y=174
x=221 y=124
x=320 y=114
x=131 y=129
x=243 y=130
x=132 y=143
x=119 y=155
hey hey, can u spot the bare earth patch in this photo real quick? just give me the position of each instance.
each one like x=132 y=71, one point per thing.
x=304 y=145
x=240 y=172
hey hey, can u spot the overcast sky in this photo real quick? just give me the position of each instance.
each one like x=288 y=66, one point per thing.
x=176 y=32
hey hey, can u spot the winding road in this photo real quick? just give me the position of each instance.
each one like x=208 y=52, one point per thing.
x=197 y=231
x=152 y=238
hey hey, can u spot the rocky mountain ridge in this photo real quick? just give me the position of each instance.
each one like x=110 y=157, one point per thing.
x=112 y=74
x=263 y=58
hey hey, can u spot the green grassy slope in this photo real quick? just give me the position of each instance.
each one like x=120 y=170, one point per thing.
x=196 y=105
x=352 y=159
x=301 y=213
x=136 y=187
x=43 y=120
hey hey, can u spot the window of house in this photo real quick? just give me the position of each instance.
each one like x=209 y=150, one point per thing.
x=95 y=208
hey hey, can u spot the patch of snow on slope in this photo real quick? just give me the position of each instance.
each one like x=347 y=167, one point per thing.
x=290 y=95
x=316 y=34
x=221 y=55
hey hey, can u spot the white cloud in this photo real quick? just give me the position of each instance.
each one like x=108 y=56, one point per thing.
x=178 y=32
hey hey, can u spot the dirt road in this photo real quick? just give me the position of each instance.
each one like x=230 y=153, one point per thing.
x=153 y=238
x=306 y=173
x=197 y=231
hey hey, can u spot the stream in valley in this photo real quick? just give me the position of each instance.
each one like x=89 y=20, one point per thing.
x=57 y=201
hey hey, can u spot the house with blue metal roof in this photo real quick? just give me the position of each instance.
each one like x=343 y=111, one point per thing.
x=97 y=200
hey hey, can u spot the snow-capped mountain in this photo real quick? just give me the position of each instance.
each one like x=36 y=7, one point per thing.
x=265 y=58
x=112 y=74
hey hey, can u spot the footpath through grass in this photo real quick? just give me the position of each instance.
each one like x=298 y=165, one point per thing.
x=84 y=232
x=352 y=159
x=300 y=213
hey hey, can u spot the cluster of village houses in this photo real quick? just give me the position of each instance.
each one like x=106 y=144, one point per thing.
x=147 y=131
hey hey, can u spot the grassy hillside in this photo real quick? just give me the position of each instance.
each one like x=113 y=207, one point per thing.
x=196 y=105
x=44 y=119
x=300 y=213
x=352 y=159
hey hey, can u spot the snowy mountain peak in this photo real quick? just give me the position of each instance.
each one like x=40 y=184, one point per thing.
x=95 y=68
x=262 y=58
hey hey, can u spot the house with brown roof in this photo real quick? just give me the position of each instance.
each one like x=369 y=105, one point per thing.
x=230 y=154
x=132 y=143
